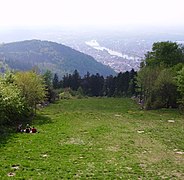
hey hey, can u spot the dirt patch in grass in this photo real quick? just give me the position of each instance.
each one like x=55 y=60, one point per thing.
x=76 y=141
x=151 y=151
x=115 y=148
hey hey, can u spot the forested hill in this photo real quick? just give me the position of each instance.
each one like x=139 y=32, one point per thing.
x=56 y=57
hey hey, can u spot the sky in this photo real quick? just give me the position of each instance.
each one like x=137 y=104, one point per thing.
x=32 y=13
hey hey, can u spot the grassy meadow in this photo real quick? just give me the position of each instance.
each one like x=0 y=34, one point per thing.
x=97 y=138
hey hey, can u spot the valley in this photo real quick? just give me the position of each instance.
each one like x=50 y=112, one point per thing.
x=121 y=49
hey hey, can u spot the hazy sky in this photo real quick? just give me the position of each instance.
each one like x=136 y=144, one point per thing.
x=91 y=12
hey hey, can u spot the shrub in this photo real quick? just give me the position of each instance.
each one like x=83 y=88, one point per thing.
x=12 y=105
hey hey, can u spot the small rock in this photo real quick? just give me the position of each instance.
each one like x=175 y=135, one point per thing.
x=11 y=174
x=140 y=132
x=44 y=155
x=171 y=121
x=15 y=167
x=117 y=115
x=179 y=152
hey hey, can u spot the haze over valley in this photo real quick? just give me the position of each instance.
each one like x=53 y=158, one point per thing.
x=121 y=49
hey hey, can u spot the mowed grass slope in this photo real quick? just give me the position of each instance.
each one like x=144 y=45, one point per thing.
x=107 y=138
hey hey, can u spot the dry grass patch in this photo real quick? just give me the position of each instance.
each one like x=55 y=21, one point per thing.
x=151 y=150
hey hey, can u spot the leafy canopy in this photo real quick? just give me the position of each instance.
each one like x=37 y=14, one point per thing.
x=156 y=78
x=166 y=53
x=32 y=87
x=11 y=102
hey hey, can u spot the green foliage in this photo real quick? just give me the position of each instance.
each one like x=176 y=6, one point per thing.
x=164 y=94
x=165 y=53
x=146 y=79
x=48 y=78
x=165 y=86
x=180 y=84
x=80 y=92
x=156 y=79
x=65 y=95
x=124 y=84
x=75 y=81
x=12 y=104
x=32 y=87
x=55 y=82
x=68 y=93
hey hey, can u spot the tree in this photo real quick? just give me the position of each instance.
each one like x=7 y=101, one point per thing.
x=165 y=53
x=85 y=84
x=164 y=93
x=48 y=78
x=146 y=78
x=180 y=84
x=75 y=80
x=110 y=86
x=155 y=79
x=55 y=81
x=51 y=94
x=12 y=105
x=96 y=83
x=132 y=83
x=32 y=88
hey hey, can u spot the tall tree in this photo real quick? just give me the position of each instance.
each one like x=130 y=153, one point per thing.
x=96 y=85
x=75 y=80
x=180 y=84
x=132 y=83
x=51 y=94
x=55 y=81
x=164 y=94
x=156 y=78
x=85 y=84
x=165 y=53
x=48 y=78
x=110 y=86
x=146 y=78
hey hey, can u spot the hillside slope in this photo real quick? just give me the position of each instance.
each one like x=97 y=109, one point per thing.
x=60 y=59
x=96 y=138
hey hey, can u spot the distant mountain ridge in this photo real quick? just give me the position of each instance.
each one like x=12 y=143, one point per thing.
x=58 y=58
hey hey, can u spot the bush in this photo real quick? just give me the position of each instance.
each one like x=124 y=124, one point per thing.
x=12 y=105
x=65 y=95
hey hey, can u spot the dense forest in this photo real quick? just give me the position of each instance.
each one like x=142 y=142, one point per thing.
x=124 y=84
x=158 y=84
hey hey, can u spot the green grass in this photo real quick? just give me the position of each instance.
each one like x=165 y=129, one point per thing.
x=97 y=138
